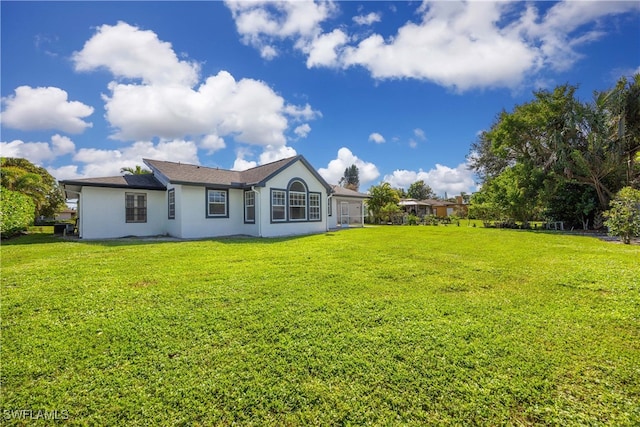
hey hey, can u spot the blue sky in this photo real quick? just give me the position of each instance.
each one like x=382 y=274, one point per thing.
x=401 y=89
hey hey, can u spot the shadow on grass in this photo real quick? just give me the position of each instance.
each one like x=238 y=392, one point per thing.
x=46 y=238
x=32 y=239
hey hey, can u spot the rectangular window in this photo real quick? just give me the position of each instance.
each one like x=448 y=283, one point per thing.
x=314 y=207
x=249 y=206
x=278 y=199
x=136 y=207
x=171 y=200
x=217 y=203
x=297 y=206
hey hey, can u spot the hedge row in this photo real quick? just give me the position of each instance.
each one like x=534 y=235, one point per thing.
x=17 y=211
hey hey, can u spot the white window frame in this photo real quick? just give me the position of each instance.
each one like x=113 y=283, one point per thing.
x=297 y=201
x=249 y=206
x=280 y=195
x=221 y=197
x=171 y=203
x=138 y=213
x=315 y=207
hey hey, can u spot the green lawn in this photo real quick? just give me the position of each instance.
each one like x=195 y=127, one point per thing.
x=380 y=326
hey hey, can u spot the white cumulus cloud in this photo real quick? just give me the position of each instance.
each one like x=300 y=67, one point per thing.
x=164 y=99
x=212 y=143
x=127 y=51
x=269 y=154
x=377 y=138
x=272 y=153
x=303 y=130
x=323 y=50
x=368 y=171
x=44 y=108
x=38 y=153
x=455 y=44
x=442 y=179
x=262 y=23
x=98 y=162
x=64 y=172
x=367 y=19
x=241 y=164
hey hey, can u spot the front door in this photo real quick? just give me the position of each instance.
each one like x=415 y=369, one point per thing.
x=344 y=214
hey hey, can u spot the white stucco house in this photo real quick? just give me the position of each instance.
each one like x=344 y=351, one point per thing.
x=282 y=198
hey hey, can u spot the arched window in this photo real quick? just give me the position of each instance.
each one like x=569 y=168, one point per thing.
x=297 y=201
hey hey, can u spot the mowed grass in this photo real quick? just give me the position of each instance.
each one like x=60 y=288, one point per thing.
x=378 y=326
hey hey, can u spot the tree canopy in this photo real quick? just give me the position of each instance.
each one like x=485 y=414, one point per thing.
x=138 y=170
x=16 y=212
x=380 y=196
x=351 y=178
x=24 y=177
x=623 y=219
x=420 y=191
x=556 y=142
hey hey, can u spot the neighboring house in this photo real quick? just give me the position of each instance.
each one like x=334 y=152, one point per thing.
x=65 y=215
x=286 y=197
x=439 y=208
x=346 y=208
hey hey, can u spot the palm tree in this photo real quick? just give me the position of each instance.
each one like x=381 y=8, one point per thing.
x=623 y=104
x=134 y=171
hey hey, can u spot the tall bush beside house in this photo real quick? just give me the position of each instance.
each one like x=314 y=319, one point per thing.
x=36 y=182
x=380 y=198
x=16 y=212
x=623 y=219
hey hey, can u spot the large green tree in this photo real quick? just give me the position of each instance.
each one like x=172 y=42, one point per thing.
x=623 y=102
x=573 y=203
x=565 y=140
x=351 y=178
x=379 y=197
x=420 y=191
x=484 y=208
x=514 y=193
x=595 y=155
x=24 y=177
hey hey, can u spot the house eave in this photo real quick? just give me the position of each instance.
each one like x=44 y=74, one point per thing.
x=342 y=196
x=81 y=184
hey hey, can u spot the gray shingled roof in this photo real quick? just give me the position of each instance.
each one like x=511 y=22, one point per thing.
x=142 y=182
x=345 y=192
x=182 y=173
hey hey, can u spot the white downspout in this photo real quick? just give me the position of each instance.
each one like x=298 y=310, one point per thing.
x=258 y=208
x=327 y=212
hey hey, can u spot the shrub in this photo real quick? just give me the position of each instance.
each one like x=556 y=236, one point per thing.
x=413 y=219
x=430 y=220
x=623 y=219
x=17 y=211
